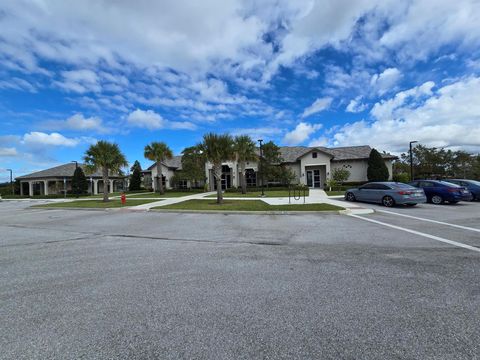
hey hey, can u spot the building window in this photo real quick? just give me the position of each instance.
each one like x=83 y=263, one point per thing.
x=314 y=155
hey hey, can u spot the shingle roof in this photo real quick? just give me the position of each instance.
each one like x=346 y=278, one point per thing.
x=65 y=170
x=355 y=152
x=293 y=153
x=174 y=163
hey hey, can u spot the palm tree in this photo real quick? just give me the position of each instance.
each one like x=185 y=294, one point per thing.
x=245 y=150
x=217 y=149
x=158 y=152
x=107 y=158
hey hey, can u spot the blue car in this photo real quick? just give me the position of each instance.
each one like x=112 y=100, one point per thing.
x=472 y=186
x=438 y=192
x=387 y=193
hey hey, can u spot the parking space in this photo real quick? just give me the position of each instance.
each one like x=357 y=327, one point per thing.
x=123 y=284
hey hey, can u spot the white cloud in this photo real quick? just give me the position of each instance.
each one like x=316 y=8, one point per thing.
x=317 y=106
x=386 y=80
x=8 y=151
x=78 y=122
x=79 y=81
x=447 y=117
x=38 y=139
x=356 y=105
x=301 y=133
x=149 y=119
x=146 y=119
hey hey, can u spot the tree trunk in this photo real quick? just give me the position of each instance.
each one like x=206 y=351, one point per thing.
x=105 y=184
x=160 y=178
x=217 y=173
x=243 y=181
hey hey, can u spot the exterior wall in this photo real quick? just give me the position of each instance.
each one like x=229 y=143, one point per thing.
x=167 y=172
x=308 y=160
x=358 y=169
x=296 y=169
x=389 y=164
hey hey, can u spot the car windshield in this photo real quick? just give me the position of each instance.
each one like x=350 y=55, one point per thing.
x=401 y=186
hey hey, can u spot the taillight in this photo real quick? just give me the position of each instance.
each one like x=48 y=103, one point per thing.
x=454 y=190
x=405 y=192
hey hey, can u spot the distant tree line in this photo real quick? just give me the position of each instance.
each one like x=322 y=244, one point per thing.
x=437 y=163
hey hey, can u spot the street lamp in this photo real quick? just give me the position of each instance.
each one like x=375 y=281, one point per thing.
x=411 y=159
x=11 y=180
x=260 y=141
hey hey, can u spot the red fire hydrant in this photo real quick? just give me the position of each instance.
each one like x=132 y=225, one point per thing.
x=123 y=198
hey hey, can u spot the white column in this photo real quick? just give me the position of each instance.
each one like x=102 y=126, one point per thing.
x=95 y=187
x=21 y=188
x=111 y=186
x=45 y=184
x=30 y=188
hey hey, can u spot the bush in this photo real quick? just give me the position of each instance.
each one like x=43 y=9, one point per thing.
x=402 y=177
x=377 y=170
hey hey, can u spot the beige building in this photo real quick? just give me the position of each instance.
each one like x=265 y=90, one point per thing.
x=312 y=166
x=58 y=180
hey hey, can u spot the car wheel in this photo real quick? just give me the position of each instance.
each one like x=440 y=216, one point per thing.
x=411 y=205
x=350 y=197
x=437 y=199
x=388 y=201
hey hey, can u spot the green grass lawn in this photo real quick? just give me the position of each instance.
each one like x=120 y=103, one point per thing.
x=168 y=194
x=333 y=193
x=116 y=203
x=246 y=205
x=268 y=193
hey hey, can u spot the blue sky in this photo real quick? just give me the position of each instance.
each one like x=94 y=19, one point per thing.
x=330 y=73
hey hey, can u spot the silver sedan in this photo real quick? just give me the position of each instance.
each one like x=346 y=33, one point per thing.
x=387 y=193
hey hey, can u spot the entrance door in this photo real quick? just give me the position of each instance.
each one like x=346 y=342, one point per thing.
x=309 y=178
x=316 y=179
x=313 y=179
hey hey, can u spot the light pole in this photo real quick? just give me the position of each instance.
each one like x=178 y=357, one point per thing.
x=411 y=159
x=11 y=180
x=260 y=141
x=76 y=185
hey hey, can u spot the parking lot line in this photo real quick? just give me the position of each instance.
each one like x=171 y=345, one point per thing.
x=433 y=237
x=430 y=220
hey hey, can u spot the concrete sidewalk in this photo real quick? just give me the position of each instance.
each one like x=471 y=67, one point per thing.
x=169 y=201
x=316 y=196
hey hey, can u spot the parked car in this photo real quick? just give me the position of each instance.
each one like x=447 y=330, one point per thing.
x=387 y=193
x=472 y=186
x=438 y=192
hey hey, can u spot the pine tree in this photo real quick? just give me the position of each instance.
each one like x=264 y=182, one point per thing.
x=136 y=177
x=79 y=182
x=377 y=170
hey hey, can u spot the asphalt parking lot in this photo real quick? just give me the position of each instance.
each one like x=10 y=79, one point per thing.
x=136 y=285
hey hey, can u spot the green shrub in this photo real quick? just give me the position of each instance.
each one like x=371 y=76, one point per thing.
x=377 y=170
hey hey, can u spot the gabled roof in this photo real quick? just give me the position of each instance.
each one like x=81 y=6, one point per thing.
x=293 y=153
x=355 y=153
x=173 y=163
x=65 y=170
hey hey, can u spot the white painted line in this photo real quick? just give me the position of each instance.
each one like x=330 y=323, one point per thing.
x=433 y=237
x=432 y=221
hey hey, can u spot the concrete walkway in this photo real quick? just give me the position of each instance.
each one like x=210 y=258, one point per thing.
x=169 y=201
x=316 y=196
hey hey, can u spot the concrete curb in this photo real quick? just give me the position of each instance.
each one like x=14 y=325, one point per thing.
x=237 y=212
x=360 y=211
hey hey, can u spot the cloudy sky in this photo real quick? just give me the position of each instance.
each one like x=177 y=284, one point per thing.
x=304 y=72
